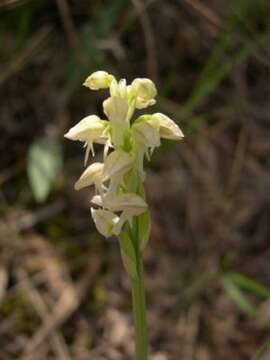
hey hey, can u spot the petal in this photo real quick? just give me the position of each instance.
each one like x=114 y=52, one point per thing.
x=168 y=129
x=141 y=103
x=119 y=224
x=117 y=163
x=89 y=127
x=105 y=221
x=116 y=109
x=92 y=175
x=145 y=88
x=131 y=203
x=146 y=134
x=119 y=89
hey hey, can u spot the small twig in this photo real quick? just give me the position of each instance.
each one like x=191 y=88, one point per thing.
x=68 y=23
x=238 y=162
x=67 y=304
x=58 y=343
x=3 y=283
x=206 y=12
x=132 y=15
x=152 y=65
x=13 y=3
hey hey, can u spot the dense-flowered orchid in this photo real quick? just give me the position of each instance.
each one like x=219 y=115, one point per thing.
x=118 y=207
x=123 y=167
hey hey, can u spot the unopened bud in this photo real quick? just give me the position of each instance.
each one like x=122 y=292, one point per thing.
x=98 y=80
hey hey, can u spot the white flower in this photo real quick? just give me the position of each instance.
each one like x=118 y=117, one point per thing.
x=89 y=130
x=145 y=91
x=98 y=80
x=116 y=109
x=146 y=134
x=132 y=203
x=119 y=179
x=119 y=89
x=128 y=204
x=117 y=163
x=147 y=138
x=92 y=175
x=89 y=127
x=168 y=129
x=105 y=221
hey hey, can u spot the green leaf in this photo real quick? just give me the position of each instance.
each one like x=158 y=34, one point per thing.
x=144 y=228
x=227 y=54
x=239 y=298
x=43 y=165
x=128 y=254
x=262 y=350
x=248 y=284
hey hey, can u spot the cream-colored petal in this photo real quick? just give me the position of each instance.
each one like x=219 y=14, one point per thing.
x=116 y=109
x=168 y=129
x=144 y=88
x=105 y=221
x=92 y=175
x=132 y=203
x=119 y=224
x=117 y=163
x=89 y=127
x=146 y=134
x=141 y=103
x=97 y=200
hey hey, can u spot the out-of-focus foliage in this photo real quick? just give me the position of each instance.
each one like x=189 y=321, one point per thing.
x=44 y=164
x=62 y=288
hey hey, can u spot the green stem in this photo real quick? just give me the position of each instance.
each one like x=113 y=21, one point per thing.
x=139 y=311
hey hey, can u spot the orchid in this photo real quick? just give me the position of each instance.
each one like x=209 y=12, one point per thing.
x=119 y=207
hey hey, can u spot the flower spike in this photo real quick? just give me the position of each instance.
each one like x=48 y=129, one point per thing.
x=122 y=169
x=119 y=207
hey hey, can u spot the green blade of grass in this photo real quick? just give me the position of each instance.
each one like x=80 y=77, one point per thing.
x=262 y=350
x=250 y=285
x=239 y=298
x=210 y=83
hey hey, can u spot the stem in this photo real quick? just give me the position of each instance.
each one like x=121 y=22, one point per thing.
x=139 y=311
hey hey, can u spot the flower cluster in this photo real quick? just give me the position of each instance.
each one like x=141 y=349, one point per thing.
x=118 y=179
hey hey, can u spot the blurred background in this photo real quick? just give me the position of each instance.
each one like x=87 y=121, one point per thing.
x=63 y=291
